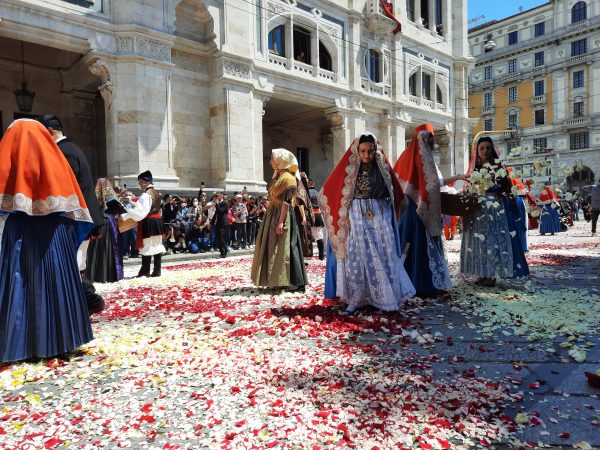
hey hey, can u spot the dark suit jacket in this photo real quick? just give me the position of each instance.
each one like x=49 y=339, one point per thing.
x=87 y=185
x=220 y=218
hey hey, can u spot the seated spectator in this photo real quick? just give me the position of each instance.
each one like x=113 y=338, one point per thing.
x=169 y=239
x=182 y=214
x=197 y=235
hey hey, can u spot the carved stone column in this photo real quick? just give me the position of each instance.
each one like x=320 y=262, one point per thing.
x=102 y=69
x=445 y=148
x=340 y=134
x=136 y=88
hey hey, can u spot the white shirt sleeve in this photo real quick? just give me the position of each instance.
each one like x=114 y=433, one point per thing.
x=440 y=176
x=140 y=210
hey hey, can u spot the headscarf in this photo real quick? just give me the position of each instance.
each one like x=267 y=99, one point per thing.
x=475 y=159
x=338 y=191
x=419 y=179
x=36 y=179
x=548 y=196
x=105 y=191
x=284 y=160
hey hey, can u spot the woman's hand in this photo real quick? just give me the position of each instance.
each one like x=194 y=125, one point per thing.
x=279 y=229
x=303 y=221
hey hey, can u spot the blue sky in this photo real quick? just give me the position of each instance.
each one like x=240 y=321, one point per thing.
x=481 y=11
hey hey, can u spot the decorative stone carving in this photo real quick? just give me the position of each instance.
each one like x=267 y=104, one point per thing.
x=378 y=24
x=274 y=9
x=100 y=69
x=152 y=49
x=124 y=45
x=379 y=38
x=128 y=45
x=236 y=70
x=329 y=29
x=336 y=120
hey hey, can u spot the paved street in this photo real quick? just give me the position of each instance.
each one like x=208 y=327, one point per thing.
x=201 y=359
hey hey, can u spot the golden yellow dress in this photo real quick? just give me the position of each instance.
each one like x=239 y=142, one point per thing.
x=278 y=260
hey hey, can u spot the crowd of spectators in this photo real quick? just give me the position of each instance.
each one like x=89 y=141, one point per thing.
x=190 y=222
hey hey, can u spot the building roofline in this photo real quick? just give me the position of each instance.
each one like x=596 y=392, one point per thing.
x=497 y=21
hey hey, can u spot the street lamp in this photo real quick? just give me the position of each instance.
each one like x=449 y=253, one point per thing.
x=24 y=96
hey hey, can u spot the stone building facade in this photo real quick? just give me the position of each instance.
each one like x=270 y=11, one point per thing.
x=202 y=90
x=538 y=72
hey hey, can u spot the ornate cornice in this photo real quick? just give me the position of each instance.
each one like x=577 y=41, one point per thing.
x=142 y=46
x=237 y=70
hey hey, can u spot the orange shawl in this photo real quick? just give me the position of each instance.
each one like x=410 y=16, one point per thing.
x=419 y=179
x=35 y=177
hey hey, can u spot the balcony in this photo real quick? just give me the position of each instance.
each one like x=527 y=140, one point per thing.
x=581 y=24
x=539 y=70
x=538 y=99
x=373 y=88
x=376 y=20
x=326 y=75
x=278 y=60
x=303 y=68
x=487 y=110
x=511 y=76
x=578 y=122
x=578 y=59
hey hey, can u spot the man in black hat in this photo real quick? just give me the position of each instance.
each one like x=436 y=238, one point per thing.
x=148 y=213
x=87 y=185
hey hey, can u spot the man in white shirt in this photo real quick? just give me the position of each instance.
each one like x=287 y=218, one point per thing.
x=148 y=213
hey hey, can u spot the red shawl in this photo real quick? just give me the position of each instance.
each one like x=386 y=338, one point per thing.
x=548 y=196
x=338 y=191
x=419 y=179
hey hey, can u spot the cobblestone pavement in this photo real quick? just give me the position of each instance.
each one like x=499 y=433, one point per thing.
x=201 y=359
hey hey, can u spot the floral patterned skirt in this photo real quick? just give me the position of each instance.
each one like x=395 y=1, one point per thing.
x=372 y=273
x=486 y=248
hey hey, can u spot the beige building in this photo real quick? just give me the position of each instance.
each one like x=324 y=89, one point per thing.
x=201 y=90
x=538 y=72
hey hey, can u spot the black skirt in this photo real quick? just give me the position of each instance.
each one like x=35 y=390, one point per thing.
x=318 y=221
x=152 y=227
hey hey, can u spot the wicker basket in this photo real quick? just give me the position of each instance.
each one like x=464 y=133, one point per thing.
x=126 y=225
x=459 y=205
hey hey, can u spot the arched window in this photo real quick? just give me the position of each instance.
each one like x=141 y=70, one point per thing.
x=439 y=98
x=374 y=60
x=579 y=12
x=302 y=45
x=412 y=84
x=324 y=58
x=277 y=40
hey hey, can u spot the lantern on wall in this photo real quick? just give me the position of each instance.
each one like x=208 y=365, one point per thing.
x=24 y=96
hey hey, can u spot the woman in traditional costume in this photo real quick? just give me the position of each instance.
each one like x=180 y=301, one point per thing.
x=43 y=310
x=490 y=248
x=104 y=259
x=278 y=261
x=549 y=218
x=420 y=224
x=360 y=201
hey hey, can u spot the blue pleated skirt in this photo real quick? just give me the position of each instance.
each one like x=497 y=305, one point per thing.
x=43 y=312
x=513 y=218
x=419 y=261
x=549 y=220
x=522 y=224
x=330 y=273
